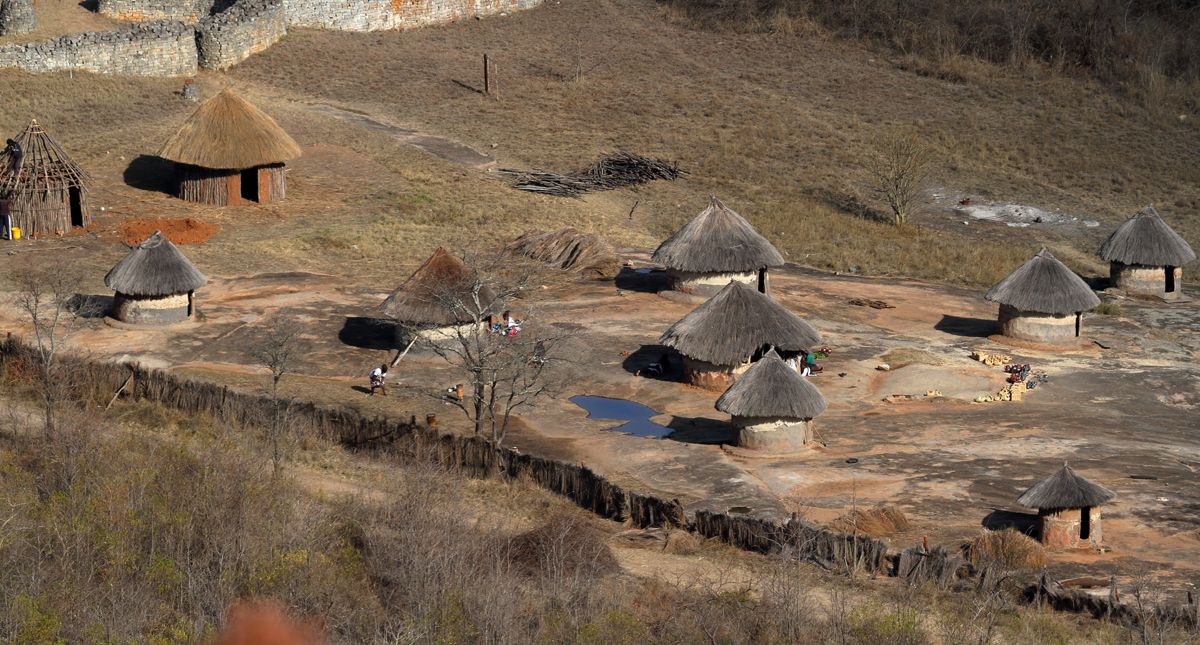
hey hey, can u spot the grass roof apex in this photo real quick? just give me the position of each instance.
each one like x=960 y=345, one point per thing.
x=771 y=388
x=227 y=132
x=730 y=327
x=156 y=267
x=1065 y=489
x=1044 y=285
x=1145 y=239
x=718 y=240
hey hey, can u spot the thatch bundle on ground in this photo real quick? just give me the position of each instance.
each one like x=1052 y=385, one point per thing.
x=229 y=150
x=1042 y=301
x=1067 y=508
x=716 y=247
x=42 y=191
x=154 y=283
x=441 y=294
x=569 y=248
x=1146 y=256
x=1009 y=548
x=877 y=522
x=721 y=337
x=772 y=406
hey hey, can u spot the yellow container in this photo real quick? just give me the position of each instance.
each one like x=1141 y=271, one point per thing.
x=16 y=232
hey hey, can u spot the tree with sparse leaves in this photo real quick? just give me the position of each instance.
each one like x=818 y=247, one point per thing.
x=900 y=166
x=277 y=350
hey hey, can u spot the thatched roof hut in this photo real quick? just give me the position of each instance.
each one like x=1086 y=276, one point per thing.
x=442 y=292
x=1057 y=497
x=154 y=283
x=1146 y=256
x=719 y=338
x=230 y=150
x=42 y=190
x=1042 y=300
x=715 y=247
x=772 y=406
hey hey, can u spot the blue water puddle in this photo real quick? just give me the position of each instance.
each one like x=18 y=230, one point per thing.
x=636 y=415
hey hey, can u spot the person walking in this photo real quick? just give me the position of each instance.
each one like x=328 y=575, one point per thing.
x=378 y=376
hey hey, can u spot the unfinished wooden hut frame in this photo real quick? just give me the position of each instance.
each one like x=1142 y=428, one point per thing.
x=42 y=191
x=154 y=284
x=1146 y=257
x=1043 y=301
x=440 y=297
x=716 y=247
x=772 y=406
x=229 y=151
x=722 y=337
x=1068 y=509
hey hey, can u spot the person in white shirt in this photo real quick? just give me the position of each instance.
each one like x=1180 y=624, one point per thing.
x=377 y=379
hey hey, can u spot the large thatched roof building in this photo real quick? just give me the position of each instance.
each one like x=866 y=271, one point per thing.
x=1042 y=301
x=440 y=295
x=42 y=191
x=720 y=338
x=1145 y=257
x=1068 y=508
x=716 y=247
x=772 y=406
x=229 y=150
x=154 y=283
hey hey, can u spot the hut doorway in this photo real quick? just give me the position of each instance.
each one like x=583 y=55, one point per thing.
x=1085 y=522
x=76 y=203
x=762 y=280
x=250 y=184
x=1078 y=322
x=1169 y=273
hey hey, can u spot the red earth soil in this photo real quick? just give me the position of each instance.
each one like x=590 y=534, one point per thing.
x=180 y=231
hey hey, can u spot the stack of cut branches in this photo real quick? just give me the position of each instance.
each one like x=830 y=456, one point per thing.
x=611 y=171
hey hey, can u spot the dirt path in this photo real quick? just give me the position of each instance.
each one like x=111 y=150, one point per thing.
x=440 y=147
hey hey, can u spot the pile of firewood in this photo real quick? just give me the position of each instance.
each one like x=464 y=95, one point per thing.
x=611 y=171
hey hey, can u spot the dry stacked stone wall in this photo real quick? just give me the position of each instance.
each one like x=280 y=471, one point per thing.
x=376 y=15
x=248 y=27
x=188 y=11
x=159 y=48
x=17 y=17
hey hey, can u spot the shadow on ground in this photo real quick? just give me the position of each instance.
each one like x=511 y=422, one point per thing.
x=998 y=520
x=369 y=333
x=86 y=305
x=969 y=327
x=149 y=172
x=642 y=280
x=701 y=430
x=669 y=359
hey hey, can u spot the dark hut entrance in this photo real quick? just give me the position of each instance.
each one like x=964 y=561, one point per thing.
x=1078 y=322
x=250 y=184
x=1085 y=522
x=762 y=280
x=1169 y=273
x=74 y=198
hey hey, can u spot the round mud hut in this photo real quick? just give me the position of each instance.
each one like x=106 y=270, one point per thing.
x=1068 y=509
x=42 y=191
x=228 y=152
x=722 y=337
x=772 y=406
x=439 y=297
x=1146 y=257
x=717 y=247
x=1042 y=301
x=154 y=284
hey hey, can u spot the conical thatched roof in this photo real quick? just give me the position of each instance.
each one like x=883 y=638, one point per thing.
x=1064 y=489
x=154 y=268
x=717 y=240
x=228 y=132
x=1044 y=285
x=1147 y=240
x=772 y=389
x=440 y=292
x=43 y=165
x=734 y=324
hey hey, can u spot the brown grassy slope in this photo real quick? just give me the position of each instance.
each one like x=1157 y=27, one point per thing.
x=772 y=122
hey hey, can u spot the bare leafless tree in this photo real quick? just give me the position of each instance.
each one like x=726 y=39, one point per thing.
x=502 y=372
x=54 y=309
x=277 y=350
x=900 y=167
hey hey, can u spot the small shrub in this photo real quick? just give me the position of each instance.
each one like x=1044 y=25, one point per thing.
x=1009 y=548
x=566 y=545
x=879 y=626
x=1108 y=308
